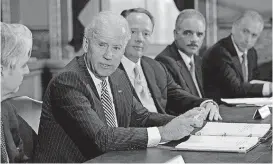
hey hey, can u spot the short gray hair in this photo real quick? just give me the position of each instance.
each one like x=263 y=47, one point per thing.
x=188 y=13
x=16 y=41
x=254 y=15
x=101 y=23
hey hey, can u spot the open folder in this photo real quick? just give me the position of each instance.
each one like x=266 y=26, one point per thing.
x=226 y=137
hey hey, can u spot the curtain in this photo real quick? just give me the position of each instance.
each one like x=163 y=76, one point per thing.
x=78 y=27
x=184 y=4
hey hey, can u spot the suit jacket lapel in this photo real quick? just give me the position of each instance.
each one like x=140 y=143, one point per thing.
x=117 y=92
x=85 y=71
x=151 y=81
x=198 y=72
x=234 y=56
x=95 y=102
x=185 y=73
x=127 y=77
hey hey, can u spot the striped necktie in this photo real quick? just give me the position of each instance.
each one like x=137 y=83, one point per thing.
x=106 y=102
x=4 y=154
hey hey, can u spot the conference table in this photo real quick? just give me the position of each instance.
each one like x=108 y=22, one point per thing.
x=163 y=153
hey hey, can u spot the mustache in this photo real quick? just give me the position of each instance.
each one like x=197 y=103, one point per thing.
x=193 y=44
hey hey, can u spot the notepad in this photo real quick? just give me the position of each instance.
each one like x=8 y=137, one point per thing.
x=226 y=137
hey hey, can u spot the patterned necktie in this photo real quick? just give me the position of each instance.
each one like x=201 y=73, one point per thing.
x=107 y=105
x=192 y=71
x=244 y=67
x=4 y=154
x=142 y=90
x=138 y=82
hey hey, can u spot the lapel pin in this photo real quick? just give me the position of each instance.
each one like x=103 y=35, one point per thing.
x=119 y=91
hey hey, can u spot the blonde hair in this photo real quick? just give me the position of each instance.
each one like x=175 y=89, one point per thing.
x=16 y=41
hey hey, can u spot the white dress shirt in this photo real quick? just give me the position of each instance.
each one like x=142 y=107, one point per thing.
x=187 y=61
x=129 y=68
x=240 y=55
x=266 y=86
x=153 y=132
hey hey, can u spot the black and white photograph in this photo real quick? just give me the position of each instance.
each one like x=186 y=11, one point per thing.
x=136 y=81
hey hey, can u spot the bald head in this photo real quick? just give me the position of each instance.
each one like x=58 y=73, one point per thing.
x=107 y=24
x=247 y=29
x=189 y=13
x=251 y=15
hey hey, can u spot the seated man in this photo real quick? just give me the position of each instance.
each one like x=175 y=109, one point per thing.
x=16 y=45
x=89 y=107
x=230 y=65
x=181 y=57
x=152 y=83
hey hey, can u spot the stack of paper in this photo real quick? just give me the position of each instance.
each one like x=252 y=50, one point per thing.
x=226 y=137
x=249 y=101
x=233 y=129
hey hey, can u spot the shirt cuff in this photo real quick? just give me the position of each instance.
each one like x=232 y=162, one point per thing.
x=207 y=101
x=266 y=89
x=153 y=137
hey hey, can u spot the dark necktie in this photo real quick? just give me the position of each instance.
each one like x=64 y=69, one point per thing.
x=244 y=67
x=107 y=105
x=4 y=154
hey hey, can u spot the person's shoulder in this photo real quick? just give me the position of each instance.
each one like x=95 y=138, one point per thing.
x=119 y=77
x=219 y=44
x=165 y=52
x=152 y=62
x=148 y=60
x=73 y=70
x=8 y=111
x=215 y=49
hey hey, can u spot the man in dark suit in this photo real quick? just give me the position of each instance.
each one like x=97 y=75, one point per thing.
x=89 y=107
x=153 y=85
x=230 y=65
x=181 y=57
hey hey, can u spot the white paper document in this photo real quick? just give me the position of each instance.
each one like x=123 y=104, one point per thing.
x=259 y=101
x=225 y=137
x=219 y=143
x=259 y=82
x=234 y=129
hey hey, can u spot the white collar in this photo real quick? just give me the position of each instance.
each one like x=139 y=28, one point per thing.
x=96 y=80
x=186 y=58
x=129 y=65
x=239 y=53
